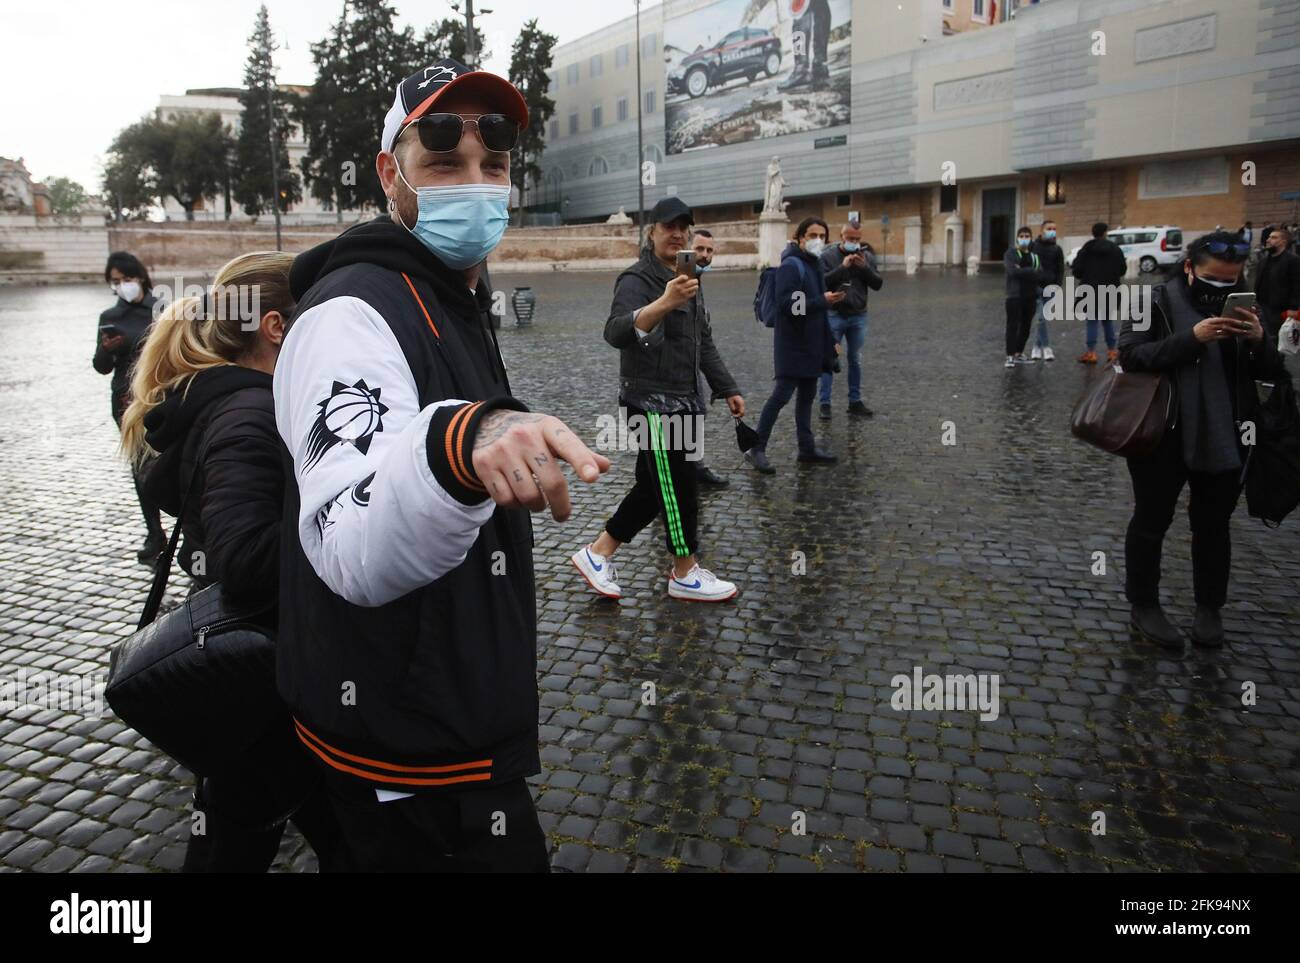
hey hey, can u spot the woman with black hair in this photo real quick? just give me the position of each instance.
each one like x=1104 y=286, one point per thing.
x=1213 y=362
x=118 y=339
x=803 y=346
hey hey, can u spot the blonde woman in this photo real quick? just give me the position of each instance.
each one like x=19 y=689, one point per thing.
x=201 y=400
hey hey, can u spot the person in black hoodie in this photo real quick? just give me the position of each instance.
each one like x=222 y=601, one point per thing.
x=1052 y=259
x=407 y=649
x=1213 y=362
x=1099 y=266
x=119 y=338
x=201 y=400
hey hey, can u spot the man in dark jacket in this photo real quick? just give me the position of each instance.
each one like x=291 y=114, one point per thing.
x=660 y=327
x=119 y=337
x=1052 y=258
x=408 y=635
x=703 y=245
x=1100 y=264
x=849 y=267
x=1277 y=286
x=1025 y=277
x=802 y=344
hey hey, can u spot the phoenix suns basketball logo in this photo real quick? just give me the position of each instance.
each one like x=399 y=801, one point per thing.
x=351 y=414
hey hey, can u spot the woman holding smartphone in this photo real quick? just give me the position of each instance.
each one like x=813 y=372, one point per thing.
x=1213 y=361
x=118 y=340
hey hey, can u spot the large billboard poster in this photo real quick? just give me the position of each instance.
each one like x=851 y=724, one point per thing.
x=741 y=70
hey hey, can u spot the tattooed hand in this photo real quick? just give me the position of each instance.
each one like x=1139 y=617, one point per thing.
x=517 y=456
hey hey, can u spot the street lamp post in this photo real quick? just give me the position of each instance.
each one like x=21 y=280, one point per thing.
x=640 y=149
x=275 y=161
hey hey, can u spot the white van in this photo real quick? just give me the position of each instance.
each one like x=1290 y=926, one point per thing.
x=1155 y=247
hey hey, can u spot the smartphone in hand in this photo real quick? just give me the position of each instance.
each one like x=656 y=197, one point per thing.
x=686 y=264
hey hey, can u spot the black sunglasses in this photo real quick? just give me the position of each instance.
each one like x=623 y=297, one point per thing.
x=442 y=132
x=1239 y=248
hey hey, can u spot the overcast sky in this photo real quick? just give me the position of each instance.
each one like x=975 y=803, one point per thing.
x=75 y=73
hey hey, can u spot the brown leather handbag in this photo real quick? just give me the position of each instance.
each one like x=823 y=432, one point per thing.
x=1127 y=412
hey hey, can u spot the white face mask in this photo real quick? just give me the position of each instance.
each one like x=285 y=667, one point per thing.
x=814 y=246
x=129 y=291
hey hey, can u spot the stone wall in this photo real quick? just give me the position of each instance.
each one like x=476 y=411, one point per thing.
x=45 y=249
x=196 y=250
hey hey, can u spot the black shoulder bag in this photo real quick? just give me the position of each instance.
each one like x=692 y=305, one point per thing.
x=199 y=683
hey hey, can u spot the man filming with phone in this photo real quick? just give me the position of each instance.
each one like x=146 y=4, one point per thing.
x=659 y=325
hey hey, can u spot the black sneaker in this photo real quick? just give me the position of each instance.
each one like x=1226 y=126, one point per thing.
x=707 y=476
x=1151 y=623
x=826 y=412
x=818 y=456
x=858 y=410
x=1207 y=628
x=758 y=458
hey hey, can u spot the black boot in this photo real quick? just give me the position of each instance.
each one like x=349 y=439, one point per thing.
x=758 y=458
x=707 y=476
x=818 y=456
x=1207 y=628
x=826 y=412
x=858 y=410
x=1151 y=623
x=153 y=545
x=797 y=78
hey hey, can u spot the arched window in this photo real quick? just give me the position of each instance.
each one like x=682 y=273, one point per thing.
x=597 y=166
x=652 y=153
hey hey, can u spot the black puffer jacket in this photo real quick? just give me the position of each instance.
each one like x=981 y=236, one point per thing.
x=132 y=321
x=658 y=372
x=232 y=525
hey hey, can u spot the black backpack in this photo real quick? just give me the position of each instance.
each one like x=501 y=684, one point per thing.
x=1273 y=469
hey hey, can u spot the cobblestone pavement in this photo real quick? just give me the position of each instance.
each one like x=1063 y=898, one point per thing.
x=974 y=557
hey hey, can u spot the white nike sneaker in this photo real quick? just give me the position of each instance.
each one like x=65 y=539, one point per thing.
x=1049 y=354
x=1036 y=354
x=598 y=570
x=699 y=585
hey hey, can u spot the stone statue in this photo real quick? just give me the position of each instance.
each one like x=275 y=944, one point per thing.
x=772 y=198
x=619 y=218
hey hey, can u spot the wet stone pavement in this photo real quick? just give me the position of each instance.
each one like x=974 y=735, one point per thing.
x=974 y=557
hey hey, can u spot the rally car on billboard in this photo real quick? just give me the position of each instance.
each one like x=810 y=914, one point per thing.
x=746 y=52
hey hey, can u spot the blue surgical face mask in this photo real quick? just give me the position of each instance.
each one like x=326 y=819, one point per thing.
x=1023 y=241
x=1050 y=235
x=701 y=268
x=460 y=223
x=851 y=246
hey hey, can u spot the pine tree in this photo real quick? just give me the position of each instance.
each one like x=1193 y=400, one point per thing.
x=262 y=102
x=358 y=67
x=530 y=63
x=446 y=38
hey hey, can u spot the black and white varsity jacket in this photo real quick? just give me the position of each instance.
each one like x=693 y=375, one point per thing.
x=407 y=645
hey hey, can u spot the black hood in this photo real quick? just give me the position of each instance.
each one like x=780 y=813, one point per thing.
x=388 y=245
x=170 y=422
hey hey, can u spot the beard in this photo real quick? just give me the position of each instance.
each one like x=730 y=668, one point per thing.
x=406 y=207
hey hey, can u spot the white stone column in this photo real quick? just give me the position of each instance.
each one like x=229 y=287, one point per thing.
x=773 y=233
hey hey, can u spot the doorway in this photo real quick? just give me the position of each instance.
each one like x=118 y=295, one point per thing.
x=999 y=212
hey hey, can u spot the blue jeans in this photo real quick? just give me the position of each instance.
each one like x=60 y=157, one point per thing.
x=1092 y=329
x=853 y=328
x=1040 y=315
